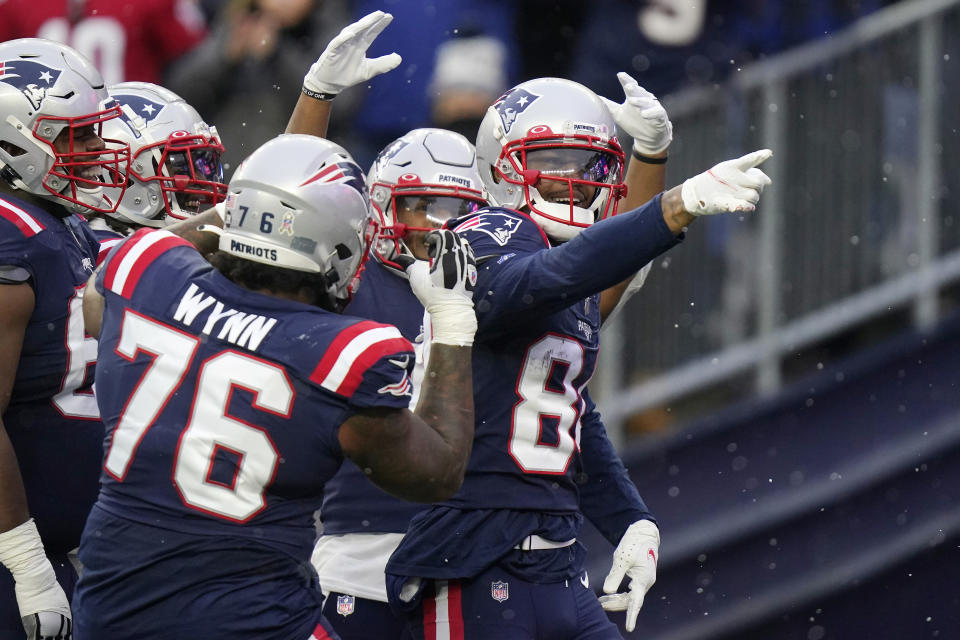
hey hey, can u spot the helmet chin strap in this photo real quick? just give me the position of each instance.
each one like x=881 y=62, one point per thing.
x=9 y=175
x=551 y=216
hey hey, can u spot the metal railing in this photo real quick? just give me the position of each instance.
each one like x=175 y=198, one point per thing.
x=865 y=127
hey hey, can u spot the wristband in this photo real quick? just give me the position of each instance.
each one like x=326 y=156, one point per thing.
x=452 y=322
x=316 y=95
x=648 y=160
x=36 y=588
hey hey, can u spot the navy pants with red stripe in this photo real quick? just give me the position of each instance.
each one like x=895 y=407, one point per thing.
x=496 y=604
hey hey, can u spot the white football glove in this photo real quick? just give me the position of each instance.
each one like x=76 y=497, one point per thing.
x=445 y=287
x=732 y=185
x=636 y=558
x=642 y=117
x=344 y=63
x=43 y=605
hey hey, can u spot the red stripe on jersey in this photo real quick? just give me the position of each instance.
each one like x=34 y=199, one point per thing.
x=319 y=633
x=114 y=265
x=105 y=247
x=367 y=359
x=454 y=610
x=146 y=258
x=339 y=343
x=26 y=223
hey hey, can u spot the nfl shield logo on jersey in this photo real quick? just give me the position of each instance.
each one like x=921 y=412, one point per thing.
x=345 y=605
x=499 y=590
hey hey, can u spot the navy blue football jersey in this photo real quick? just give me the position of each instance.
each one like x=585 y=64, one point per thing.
x=52 y=418
x=222 y=408
x=351 y=503
x=533 y=355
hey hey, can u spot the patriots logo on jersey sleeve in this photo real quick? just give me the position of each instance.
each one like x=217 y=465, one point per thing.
x=499 y=226
x=511 y=104
x=32 y=78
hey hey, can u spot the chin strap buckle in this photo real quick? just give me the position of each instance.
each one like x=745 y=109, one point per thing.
x=10 y=175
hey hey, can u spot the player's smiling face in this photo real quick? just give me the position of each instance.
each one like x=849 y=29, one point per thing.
x=195 y=172
x=83 y=139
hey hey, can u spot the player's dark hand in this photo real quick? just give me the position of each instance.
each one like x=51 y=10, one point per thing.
x=444 y=286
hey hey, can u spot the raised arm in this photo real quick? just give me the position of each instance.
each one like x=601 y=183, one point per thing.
x=342 y=64
x=645 y=120
x=610 y=251
x=423 y=456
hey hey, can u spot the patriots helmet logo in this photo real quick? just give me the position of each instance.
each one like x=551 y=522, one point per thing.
x=513 y=103
x=391 y=152
x=124 y=117
x=32 y=78
x=342 y=172
x=142 y=107
x=499 y=226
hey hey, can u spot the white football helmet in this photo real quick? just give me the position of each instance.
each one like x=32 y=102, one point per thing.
x=548 y=146
x=175 y=167
x=419 y=181
x=300 y=202
x=52 y=97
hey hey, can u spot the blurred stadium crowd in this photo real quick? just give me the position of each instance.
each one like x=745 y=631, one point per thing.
x=240 y=62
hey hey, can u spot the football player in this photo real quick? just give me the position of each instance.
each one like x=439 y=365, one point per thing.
x=53 y=163
x=420 y=180
x=416 y=183
x=175 y=166
x=500 y=558
x=233 y=389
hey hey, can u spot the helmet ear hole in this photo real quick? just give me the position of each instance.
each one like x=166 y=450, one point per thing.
x=343 y=252
x=12 y=149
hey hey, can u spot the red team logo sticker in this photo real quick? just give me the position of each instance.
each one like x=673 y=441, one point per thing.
x=345 y=605
x=499 y=590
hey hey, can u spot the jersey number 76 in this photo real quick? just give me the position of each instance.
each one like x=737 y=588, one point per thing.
x=210 y=429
